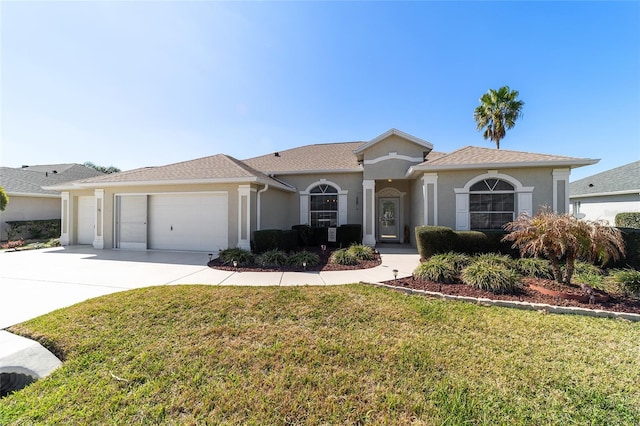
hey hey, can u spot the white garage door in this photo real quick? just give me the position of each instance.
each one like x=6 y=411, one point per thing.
x=86 y=218
x=188 y=222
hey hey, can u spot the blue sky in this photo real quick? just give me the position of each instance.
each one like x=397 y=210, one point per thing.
x=134 y=84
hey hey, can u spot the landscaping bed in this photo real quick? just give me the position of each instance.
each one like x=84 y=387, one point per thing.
x=323 y=265
x=527 y=293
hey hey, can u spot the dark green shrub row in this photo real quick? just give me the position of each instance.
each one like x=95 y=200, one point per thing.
x=269 y=258
x=274 y=239
x=304 y=236
x=628 y=220
x=33 y=229
x=631 y=238
x=441 y=239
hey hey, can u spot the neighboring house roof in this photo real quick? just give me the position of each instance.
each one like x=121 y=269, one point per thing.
x=620 y=180
x=330 y=157
x=30 y=180
x=218 y=168
x=474 y=157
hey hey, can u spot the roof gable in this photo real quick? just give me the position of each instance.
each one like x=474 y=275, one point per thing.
x=625 y=178
x=392 y=132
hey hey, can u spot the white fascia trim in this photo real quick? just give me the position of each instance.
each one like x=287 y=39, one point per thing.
x=604 y=194
x=572 y=164
x=396 y=132
x=93 y=185
x=324 y=182
x=394 y=156
x=26 y=194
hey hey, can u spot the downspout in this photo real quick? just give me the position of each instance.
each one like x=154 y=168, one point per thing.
x=266 y=186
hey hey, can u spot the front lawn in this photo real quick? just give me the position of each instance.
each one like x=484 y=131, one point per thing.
x=325 y=355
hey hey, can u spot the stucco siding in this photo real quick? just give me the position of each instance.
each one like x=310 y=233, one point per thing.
x=448 y=181
x=28 y=208
x=606 y=207
x=350 y=182
x=278 y=210
x=394 y=143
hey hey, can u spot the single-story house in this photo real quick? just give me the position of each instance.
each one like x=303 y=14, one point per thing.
x=389 y=185
x=604 y=195
x=27 y=198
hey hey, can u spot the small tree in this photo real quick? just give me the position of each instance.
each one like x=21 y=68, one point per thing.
x=559 y=237
x=4 y=199
x=103 y=169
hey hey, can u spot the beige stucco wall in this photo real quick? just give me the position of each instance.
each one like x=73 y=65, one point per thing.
x=540 y=178
x=391 y=168
x=277 y=209
x=350 y=182
x=394 y=143
x=28 y=208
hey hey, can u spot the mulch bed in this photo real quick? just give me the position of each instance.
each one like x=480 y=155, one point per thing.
x=614 y=303
x=323 y=265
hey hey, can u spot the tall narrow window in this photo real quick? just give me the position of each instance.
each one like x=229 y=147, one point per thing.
x=323 y=206
x=491 y=204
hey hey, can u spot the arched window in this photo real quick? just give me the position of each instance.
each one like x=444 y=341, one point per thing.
x=491 y=204
x=323 y=206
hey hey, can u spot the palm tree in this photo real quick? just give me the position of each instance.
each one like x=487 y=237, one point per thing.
x=557 y=236
x=498 y=111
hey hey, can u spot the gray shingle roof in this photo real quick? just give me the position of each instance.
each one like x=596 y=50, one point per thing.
x=218 y=167
x=30 y=180
x=310 y=158
x=471 y=156
x=620 y=179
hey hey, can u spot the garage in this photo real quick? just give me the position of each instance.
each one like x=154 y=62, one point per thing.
x=86 y=219
x=197 y=222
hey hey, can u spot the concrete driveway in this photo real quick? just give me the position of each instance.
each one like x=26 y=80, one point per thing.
x=35 y=282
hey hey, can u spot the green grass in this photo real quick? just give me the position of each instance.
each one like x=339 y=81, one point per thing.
x=325 y=355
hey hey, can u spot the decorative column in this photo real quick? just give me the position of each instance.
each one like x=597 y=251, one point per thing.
x=98 y=237
x=244 y=217
x=369 y=213
x=430 y=197
x=64 y=219
x=561 y=190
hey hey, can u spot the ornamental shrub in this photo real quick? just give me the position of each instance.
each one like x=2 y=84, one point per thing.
x=535 y=267
x=304 y=233
x=298 y=259
x=627 y=281
x=272 y=258
x=628 y=220
x=343 y=257
x=485 y=274
x=434 y=240
x=266 y=239
x=361 y=252
x=243 y=257
x=349 y=234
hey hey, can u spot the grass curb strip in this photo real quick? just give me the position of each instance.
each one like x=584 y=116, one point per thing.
x=515 y=304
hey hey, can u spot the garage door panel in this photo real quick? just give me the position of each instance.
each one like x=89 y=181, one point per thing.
x=132 y=222
x=188 y=222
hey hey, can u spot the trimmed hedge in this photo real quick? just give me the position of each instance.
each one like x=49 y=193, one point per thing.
x=631 y=238
x=441 y=239
x=266 y=240
x=33 y=229
x=628 y=220
x=434 y=240
x=349 y=234
x=304 y=234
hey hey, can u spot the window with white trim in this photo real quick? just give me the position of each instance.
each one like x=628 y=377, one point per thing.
x=491 y=204
x=323 y=206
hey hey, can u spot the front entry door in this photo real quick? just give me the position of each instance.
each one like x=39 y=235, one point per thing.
x=389 y=219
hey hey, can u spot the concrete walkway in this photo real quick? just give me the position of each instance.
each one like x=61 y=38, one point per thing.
x=36 y=282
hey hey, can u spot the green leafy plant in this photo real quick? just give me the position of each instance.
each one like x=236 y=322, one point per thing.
x=361 y=252
x=243 y=257
x=437 y=268
x=496 y=277
x=300 y=258
x=627 y=281
x=275 y=258
x=496 y=259
x=534 y=267
x=343 y=257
